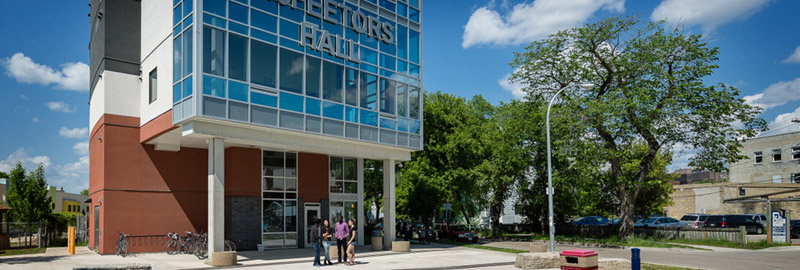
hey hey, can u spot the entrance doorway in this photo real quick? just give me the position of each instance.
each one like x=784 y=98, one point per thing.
x=311 y=215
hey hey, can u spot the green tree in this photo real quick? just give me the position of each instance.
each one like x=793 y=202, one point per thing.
x=3 y=175
x=85 y=192
x=447 y=170
x=373 y=186
x=650 y=90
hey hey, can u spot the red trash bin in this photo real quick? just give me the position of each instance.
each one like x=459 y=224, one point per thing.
x=578 y=259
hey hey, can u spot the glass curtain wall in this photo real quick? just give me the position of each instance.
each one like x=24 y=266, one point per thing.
x=255 y=69
x=343 y=180
x=182 y=60
x=279 y=197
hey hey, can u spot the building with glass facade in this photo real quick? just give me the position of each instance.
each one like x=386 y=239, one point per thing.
x=247 y=119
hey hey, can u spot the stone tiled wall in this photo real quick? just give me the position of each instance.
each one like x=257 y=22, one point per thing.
x=709 y=198
x=243 y=221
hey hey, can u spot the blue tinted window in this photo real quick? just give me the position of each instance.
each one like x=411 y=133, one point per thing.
x=312 y=106
x=237 y=12
x=237 y=57
x=291 y=70
x=369 y=68
x=291 y=102
x=332 y=81
x=262 y=99
x=413 y=46
x=351 y=87
x=402 y=42
x=263 y=63
x=333 y=110
x=401 y=10
x=213 y=86
x=264 y=21
x=237 y=91
x=263 y=35
x=387 y=62
x=369 y=56
x=388 y=123
x=177 y=15
x=188 y=5
x=312 y=76
x=214 y=20
x=176 y=92
x=386 y=73
x=333 y=29
x=292 y=44
x=402 y=124
x=369 y=118
x=413 y=14
x=215 y=7
x=213 y=51
x=388 y=5
x=369 y=41
x=387 y=96
x=414 y=3
x=414 y=127
x=188 y=87
x=369 y=91
x=187 y=22
x=413 y=102
x=292 y=14
x=402 y=67
x=414 y=71
x=402 y=98
x=238 y=28
x=351 y=114
x=266 y=5
x=176 y=59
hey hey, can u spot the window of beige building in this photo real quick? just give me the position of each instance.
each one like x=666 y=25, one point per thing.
x=776 y=155
x=758 y=157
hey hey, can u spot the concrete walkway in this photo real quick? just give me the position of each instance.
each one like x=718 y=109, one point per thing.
x=422 y=257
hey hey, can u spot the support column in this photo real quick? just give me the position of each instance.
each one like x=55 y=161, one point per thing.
x=361 y=219
x=388 y=203
x=216 y=196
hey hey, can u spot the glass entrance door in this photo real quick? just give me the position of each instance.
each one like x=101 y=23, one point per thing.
x=311 y=215
x=337 y=211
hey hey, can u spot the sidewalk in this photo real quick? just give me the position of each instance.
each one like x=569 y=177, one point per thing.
x=421 y=257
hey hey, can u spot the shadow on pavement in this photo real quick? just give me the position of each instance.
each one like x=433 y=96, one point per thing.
x=28 y=259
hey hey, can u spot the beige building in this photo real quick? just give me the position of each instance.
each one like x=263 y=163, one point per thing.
x=771 y=159
x=771 y=172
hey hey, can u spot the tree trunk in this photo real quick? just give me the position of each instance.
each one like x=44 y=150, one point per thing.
x=494 y=212
x=625 y=213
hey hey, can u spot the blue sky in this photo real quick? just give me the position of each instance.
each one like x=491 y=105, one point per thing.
x=466 y=50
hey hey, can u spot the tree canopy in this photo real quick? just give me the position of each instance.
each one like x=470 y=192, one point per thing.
x=27 y=194
x=650 y=91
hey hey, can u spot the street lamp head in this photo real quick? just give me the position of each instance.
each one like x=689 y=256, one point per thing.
x=587 y=86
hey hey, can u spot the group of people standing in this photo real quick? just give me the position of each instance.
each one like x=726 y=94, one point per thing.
x=345 y=234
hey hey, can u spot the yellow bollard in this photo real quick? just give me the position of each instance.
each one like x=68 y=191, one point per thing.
x=71 y=240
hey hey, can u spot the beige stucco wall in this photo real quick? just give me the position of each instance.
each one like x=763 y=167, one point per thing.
x=746 y=171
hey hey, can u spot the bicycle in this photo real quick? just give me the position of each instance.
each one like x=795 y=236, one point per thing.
x=200 y=247
x=122 y=244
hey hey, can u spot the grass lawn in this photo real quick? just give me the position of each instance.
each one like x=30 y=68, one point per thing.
x=10 y=252
x=650 y=242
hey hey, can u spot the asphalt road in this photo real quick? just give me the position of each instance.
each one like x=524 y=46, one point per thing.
x=719 y=258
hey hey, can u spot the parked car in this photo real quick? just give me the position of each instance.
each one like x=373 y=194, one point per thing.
x=590 y=221
x=760 y=218
x=694 y=220
x=794 y=228
x=461 y=233
x=734 y=221
x=664 y=222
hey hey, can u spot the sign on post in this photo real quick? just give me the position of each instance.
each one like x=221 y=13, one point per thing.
x=778 y=227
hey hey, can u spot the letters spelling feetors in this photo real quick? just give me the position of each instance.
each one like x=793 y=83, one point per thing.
x=339 y=13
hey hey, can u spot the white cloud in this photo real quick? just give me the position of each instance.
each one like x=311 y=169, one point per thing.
x=22 y=155
x=81 y=148
x=75 y=133
x=72 y=176
x=35 y=120
x=514 y=87
x=783 y=124
x=23 y=97
x=60 y=106
x=709 y=14
x=72 y=76
x=776 y=94
x=795 y=57
x=527 y=22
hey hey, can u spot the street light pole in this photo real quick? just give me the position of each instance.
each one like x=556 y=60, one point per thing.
x=550 y=170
